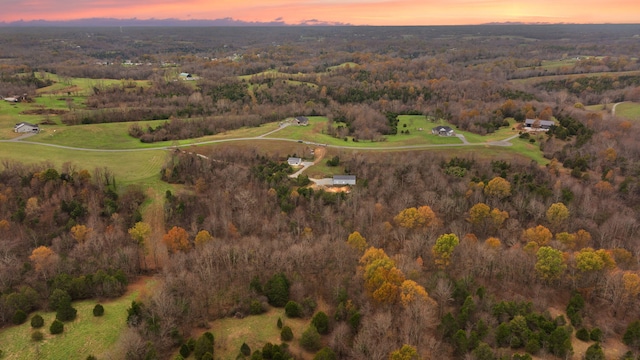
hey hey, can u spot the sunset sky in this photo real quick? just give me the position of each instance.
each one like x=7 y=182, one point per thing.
x=356 y=12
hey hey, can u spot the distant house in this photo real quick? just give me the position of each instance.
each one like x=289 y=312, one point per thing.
x=344 y=179
x=539 y=124
x=186 y=76
x=25 y=127
x=294 y=161
x=302 y=120
x=15 y=99
x=442 y=131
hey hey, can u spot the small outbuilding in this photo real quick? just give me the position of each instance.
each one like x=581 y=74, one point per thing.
x=339 y=180
x=442 y=131
x=294 y=161
x=25 y=127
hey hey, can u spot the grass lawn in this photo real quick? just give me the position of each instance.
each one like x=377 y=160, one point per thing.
x=628 y=110
x=128 y=167
x=86 y=335
x=255 y=330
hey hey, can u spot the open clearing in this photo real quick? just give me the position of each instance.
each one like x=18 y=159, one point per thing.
x=86 y=335
x=255 y=330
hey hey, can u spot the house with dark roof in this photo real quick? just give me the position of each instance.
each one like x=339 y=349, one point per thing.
x=442 y=131
x=340 y=180
x=538 y=124
x=25 y=127
x=302 y=120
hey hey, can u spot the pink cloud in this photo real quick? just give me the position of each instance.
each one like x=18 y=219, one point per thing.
x=359 y=12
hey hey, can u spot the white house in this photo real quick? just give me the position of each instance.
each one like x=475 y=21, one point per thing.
x=294 y=161
x=344 y=179
x=442 y=131
x=25 y=127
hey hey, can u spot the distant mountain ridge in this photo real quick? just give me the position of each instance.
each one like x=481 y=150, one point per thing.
x=108 y=22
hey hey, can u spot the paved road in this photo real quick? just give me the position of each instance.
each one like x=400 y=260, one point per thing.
x=505 y=142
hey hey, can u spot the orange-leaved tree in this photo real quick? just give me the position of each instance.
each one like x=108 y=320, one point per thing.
x=43 y=259
x=539 y=234
x=176 y=239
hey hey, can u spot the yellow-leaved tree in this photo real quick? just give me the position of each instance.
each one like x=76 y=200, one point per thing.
x=81 y=233
x=414 y=218
x=357 y=241
x=443 y=249
x=202 y=237
x=498 y=187
x=539 y=234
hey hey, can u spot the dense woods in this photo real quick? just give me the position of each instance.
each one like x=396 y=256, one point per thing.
x=430 y=255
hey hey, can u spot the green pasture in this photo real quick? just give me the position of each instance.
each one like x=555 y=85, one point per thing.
x=255 y=330
x=86 y=335
x=10 y=116
x=597 y=107
x=84 y=86
x=343 y=65
x=129 y=167
x=539 y=79
x=629 y=110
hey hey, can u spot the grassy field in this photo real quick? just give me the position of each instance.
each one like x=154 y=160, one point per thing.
x=256 y=330
x=629 y=110
x=140 y=167
x=539 y=79
x=86 y=335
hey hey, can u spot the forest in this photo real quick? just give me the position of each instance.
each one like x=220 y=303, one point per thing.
x=433 y=254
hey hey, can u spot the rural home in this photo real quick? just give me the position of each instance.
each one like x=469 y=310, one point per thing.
x=538 y=124
x=442 y=131
x=302 y=120
x=344 y=179
x=186 y=76
x=294 y=161
x=25 y=127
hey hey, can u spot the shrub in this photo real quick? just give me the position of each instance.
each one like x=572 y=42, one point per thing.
x=58 y=299
x=256 y=308
x=279 y=323
x=66 y=313
x=98 y=310
x=310 y=339
x=583 y=334
x=91 y=357
x=277 y=290
x=321 y=322
x=204 y=345
x=37 y=321
x=19 y=317
x=286 y=334
x=594 y=352
x=596 y=334
x=37 y=335
x=292 y=309
x=631 y=336
x=245 y=349
x=57 y=327
x=325 y=354
x=185 y=351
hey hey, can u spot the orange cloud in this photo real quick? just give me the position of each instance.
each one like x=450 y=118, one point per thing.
x=358 y=12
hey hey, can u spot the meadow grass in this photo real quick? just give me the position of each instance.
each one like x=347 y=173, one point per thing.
x=255 y=330
x=628 y=110
x=86 y=335
x=128 y=167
